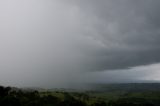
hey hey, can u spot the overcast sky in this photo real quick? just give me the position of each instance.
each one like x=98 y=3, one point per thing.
x=55 y=43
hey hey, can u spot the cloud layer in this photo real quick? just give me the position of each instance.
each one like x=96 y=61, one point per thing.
x=47 y=43
x=128 y=32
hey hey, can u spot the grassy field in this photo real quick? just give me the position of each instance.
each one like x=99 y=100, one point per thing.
x=140 y=94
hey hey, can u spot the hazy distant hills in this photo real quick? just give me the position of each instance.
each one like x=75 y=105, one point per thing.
x=135 y=87
x=128 y=87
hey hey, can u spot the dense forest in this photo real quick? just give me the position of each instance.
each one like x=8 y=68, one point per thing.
x=19 y=97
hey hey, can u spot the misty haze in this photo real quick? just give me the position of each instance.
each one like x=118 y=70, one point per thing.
x=79 y=44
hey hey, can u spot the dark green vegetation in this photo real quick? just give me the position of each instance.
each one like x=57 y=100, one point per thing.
x=108 y=95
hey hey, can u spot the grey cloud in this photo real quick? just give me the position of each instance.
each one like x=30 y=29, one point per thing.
x=128 y=30
x=56 y=40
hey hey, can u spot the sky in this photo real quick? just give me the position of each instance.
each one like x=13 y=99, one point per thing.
x=59 y=43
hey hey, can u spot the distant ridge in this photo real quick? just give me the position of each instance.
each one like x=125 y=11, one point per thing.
x=128 y=87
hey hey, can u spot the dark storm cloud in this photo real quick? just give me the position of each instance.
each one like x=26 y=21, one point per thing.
x=128 y=30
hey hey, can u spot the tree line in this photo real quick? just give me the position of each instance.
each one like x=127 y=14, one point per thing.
x=10 y=97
